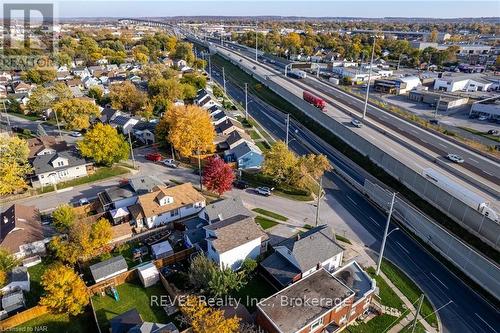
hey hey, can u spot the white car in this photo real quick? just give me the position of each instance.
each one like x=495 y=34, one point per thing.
x=264 y=190
x=482 y=118
x=455 y=158
x=356 y=123
x=75 y=134
x=170 y=163
x=83 y=201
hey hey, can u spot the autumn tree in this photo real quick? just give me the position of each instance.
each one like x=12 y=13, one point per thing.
x=3 y=278
x=39 y=75
x=204 y=319
x=196 y=80
x=76 y=113
x=7 y=260
x=14 y=165
x=190 y=130
x=65 y=291
x=104 y=145
x=64 y=216
x=279 y=162
x=127 y=97
x=43 y=98
x=311 y=165
x=184 y=50
x=218 y=176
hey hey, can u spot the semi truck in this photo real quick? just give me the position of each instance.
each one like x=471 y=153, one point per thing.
x=463 y=194
x=314 y=100
x=297 y=73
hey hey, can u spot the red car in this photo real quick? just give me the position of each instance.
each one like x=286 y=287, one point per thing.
x=155 y=157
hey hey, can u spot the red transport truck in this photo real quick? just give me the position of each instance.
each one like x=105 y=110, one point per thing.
x=314 y=100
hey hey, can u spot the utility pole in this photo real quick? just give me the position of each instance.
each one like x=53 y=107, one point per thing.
x=319 y=200
x=437 y=107
x=224 y=80
x=6 y=115
x=381 y=254
x=399 y=61
x=369 y=79
x=209 y=66
x=131 y=149
x=287 y=127
x=58 y=127
x=420 y=301
x=199 y=168
x=256 y=37
x=246 y=100
x=172 y=151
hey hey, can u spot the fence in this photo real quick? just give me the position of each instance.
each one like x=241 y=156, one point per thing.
x=22 y=317
x=470 y=262
x=473 y=221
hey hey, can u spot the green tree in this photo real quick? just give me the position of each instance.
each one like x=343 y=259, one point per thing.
x=7 y=260
x=184 y=50
x=279 y=162
x=64 y=216
x=104 y=145
x=196 y=80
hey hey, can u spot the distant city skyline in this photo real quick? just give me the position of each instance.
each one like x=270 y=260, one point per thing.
x=365 y=9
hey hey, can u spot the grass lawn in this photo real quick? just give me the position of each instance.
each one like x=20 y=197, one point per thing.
x=387 y=296
x=264 y=222
x=126 y=250
x=263 y=145
x=36 y=289
x=101 y=173
x=418 y=329
x=255 y=290
x=274 y=215
x=378 y=324
x=60 y=323
x=483 y=134
x=31 y=117
x=409 y=289
x=296 y=197
x=132 y=295
x=342 y=239
x=254 y=135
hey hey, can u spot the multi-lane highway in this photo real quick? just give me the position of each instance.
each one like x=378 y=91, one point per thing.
x=461 y=309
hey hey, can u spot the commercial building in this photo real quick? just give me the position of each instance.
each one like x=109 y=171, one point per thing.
x=446 y=101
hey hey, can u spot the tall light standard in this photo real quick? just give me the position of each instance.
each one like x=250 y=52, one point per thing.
x=256 y=37
x=320 y=188
x=287 y=127
x=369 y=79
x=386 y=234
x=58 y=126
x=437 y=107
x=246 y=100
x=224 y=80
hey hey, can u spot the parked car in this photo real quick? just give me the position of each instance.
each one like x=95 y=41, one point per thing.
x=46 y=219
x=170 y=163
x=75 y=134
x=254 y=67
x=434 y=121
x=155 y=157
x=264 y=190
x=356 y=123
x=482 y=118
x=241 y=184
x=493 y=132
x=83 y=201
x=455 y=158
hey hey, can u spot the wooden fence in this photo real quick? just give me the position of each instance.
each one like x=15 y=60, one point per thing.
x=22 y=317
x=117 y=280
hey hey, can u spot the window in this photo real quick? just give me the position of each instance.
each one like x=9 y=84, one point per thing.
x=174 y=212
x=343 y=319
x=318 y=323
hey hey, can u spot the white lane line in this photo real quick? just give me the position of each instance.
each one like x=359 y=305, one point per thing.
x=473 y=160
x=489 y=173
x=371 y=218
x=434 y=276
x=404 y=248
x=354 y=202
x=484 y=321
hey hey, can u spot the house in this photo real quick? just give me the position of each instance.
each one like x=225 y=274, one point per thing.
x=148 y=327
x=63 y=75
x=161 y=250
x=246 y=155
x=17 y=279
x=235 y=138
x=43 y=145
x=3 y=91
x=21 y=231
x=446 y=101
x=164 y=205
x=53 y=168
x=179 y=63
x=144 y=131
x=223 y=209
x=81 y=72
x=227 y=126
x=302 y=255
x=13 y=302
x=218 y=118
x=124 y=123
x=232 y=240
x=124 y=322
x=335 y=306
x=124 y=195
x=108 y=114
x=463 y=82
x=21 y=87
x=204 y=100
x=90 y=81
x=106 y=269
x=194 y=234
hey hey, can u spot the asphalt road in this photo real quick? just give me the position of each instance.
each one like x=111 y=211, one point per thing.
x=461 y=309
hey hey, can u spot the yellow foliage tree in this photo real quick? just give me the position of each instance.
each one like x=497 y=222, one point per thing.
x=104 y=145
x=204 y=319
x=3 y=278
x=127 y=97
x=76 y=113
x=190 y=130
x=279 y=162
x=14 y=166
x=65 y=291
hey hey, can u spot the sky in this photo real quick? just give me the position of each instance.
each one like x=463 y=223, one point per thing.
x=325 y=8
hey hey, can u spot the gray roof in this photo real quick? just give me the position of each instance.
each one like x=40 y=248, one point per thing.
x=235 y=136
x=13 y=301
x=224 y=209
x=19 y=274
x=242 y=149
x=290 y=316
x=313 y=247
x=204 y=100
x=116 y=193
x=120 y=120
x=147 y=327
x=108 y=267
x=42 y=163
x=124 y=322
x=201 y=94
x=218 y=115
x=282 y=270
x=353 y=276
x=145 y=184
x=145 y=125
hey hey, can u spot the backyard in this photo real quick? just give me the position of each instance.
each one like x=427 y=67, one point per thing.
x=131 y=295
x=255 y=290
x=60 y=323
x=36 y=289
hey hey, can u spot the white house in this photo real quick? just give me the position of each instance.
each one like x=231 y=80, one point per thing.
x=53 y=168
x=164 y=205
x=123 y=122
x=17 y=279
x=232 y=240
x=90 y=81
x=465 y=83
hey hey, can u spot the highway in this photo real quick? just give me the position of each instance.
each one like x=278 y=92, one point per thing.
x=461 y=309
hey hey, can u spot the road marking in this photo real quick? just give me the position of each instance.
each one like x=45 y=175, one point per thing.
x=354 y=202
x=484 y=321
x=371 y=218
x=434 y=276
x=442 y=145
x=473 y=160
x=489 y=173
x=404 y=248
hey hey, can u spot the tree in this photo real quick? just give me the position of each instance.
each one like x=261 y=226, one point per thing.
x=248 y=266
x=64 y=216
x=190 y=130
x=196 y=80
x=200 y=271
x=96 y=93
x=218 y=176
x=184 y=50
x=127 y=97
x=7 y=261
x=279 y=162
x=3 y=278
x=104 y=145
x=65 y=291
x=14 y=165
x=76 y=113
x=39 y=75
x=204 y=319
x=223 y=281
x=40 y=100
x=314 y=165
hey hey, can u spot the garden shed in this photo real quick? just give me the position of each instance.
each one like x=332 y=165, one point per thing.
x=148 y=274
x=161 y=250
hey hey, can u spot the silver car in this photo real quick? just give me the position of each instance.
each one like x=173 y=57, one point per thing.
x=356 y=123
x=455 y=158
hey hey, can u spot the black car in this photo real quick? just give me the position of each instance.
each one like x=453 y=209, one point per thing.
x=434 y=121
x=241 y=184
x=493 y=132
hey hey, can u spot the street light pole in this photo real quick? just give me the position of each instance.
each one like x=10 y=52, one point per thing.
x=256 y=37
x=199 y=168
x=319 y=200
x=246 y=100
x=420 y=301
x=58 y=127
x=381 y=254
x=437 y=107
x=209 y=66
x=131 y=149
x=224 y=80
x=369 y=79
